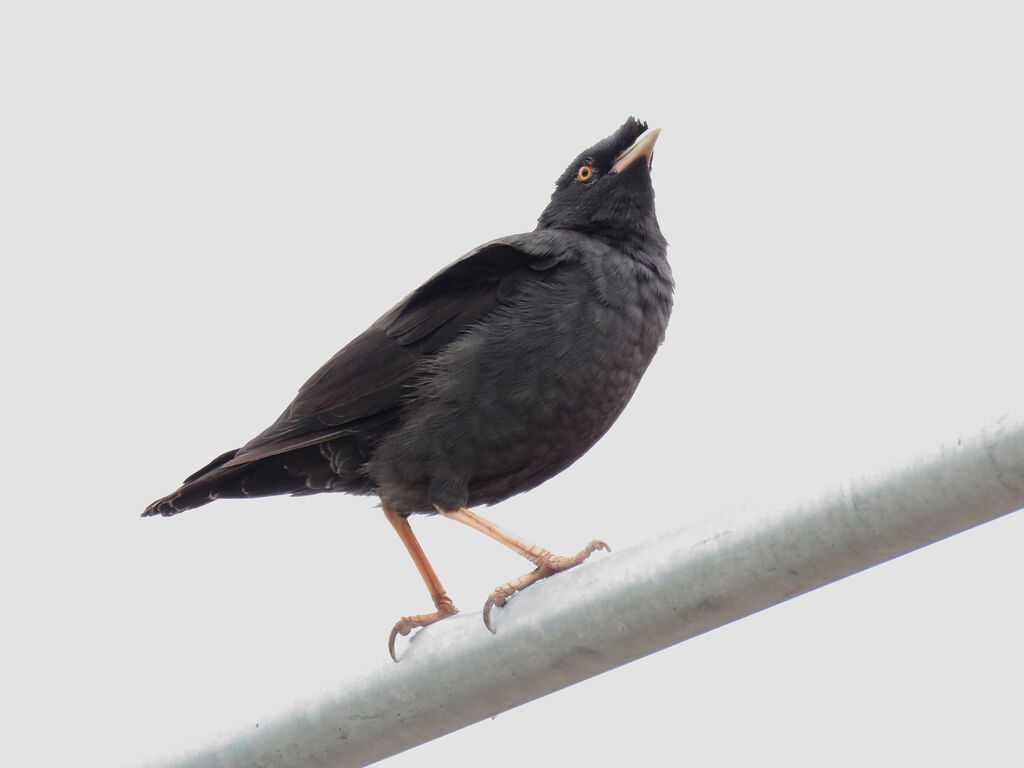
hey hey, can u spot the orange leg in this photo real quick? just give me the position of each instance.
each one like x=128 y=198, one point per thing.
x=442 y=602
x=547 y=563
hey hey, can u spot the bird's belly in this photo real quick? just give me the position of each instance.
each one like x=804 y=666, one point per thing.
x=508 y=406
x=536 y=441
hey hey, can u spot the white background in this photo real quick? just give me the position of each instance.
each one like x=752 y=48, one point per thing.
x=201 y=202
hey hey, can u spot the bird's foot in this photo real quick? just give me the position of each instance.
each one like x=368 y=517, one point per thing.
x=407 y=624
x=547 y=565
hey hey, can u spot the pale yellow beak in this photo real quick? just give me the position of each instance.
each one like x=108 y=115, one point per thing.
x=642 y=147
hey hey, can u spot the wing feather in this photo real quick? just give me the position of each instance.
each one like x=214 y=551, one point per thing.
x=373 y=374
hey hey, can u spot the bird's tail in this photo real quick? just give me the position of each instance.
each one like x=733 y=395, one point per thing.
x=199 y=488
x=299 y=471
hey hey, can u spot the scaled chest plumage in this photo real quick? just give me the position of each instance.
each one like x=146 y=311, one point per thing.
x=524 y=393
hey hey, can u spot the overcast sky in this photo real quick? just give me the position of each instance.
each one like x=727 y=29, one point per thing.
x=203 y=201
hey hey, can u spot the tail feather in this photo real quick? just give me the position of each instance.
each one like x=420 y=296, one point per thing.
x=186 y=497
x=301 y=471
x=197 y=489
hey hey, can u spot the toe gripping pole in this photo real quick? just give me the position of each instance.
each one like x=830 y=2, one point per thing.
x=617 y=608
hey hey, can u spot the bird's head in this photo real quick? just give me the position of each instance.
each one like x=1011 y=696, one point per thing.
x=607 y=190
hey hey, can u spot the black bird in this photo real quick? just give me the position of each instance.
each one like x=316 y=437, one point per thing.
x=493 y=376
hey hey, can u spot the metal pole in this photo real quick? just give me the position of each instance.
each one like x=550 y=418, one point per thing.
x=615 y=609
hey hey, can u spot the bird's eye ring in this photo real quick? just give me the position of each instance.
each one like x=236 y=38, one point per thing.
x=585 y=173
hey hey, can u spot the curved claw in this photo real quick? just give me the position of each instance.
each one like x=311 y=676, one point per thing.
x=496 y=598
x=407 y=624
x=402 y=627
x=391 y=643
x=487 y=615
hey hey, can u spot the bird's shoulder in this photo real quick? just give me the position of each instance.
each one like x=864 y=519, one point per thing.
x=472 y=287
x=371 y=375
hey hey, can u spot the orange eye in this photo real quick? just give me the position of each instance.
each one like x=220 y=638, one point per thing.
x=585 y=173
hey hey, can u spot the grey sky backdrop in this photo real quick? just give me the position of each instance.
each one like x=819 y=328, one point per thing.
x=203 y=201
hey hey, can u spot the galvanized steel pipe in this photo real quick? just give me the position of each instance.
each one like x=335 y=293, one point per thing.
x=620 y=607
